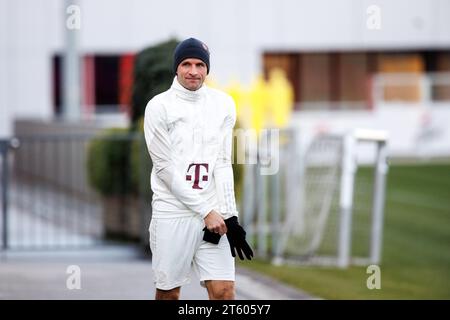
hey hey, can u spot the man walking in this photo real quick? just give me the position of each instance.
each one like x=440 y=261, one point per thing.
x=188 y=131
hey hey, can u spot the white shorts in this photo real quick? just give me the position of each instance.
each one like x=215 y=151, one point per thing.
x=177 y=246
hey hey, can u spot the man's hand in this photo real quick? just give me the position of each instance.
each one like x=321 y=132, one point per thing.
x=214 y=223
x=214 y=227
x=236 y=238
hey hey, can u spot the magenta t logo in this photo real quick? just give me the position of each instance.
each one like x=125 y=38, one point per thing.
x=198 y=167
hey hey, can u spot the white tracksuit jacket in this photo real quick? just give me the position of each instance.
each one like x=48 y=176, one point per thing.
x=189 y=137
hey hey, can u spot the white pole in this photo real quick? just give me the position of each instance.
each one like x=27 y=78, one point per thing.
x=426 y=86
x=71 y=63
x=261 y=195
x=378 y=205
x=248 y=192
x=275 y=210
x=248 y=201
x=346 y=201
x=261 y=184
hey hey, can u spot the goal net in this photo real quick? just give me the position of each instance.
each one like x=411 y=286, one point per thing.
x=324 y=205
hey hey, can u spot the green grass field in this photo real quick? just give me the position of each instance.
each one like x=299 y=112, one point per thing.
x=416 y=244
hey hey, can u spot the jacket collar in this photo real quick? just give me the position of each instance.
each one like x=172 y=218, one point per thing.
x=186 y=94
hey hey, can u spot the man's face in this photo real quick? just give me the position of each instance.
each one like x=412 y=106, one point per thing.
x=191 y=73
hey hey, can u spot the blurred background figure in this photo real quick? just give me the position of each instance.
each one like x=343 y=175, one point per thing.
x=280 y=100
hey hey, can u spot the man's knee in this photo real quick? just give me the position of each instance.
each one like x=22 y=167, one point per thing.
x=220 y=290
x=172 y=294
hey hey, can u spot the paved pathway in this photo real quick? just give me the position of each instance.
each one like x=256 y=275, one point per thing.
x=111 y=273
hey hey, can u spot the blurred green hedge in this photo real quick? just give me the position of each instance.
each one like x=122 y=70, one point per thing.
x=153 y=74
x=108 y=162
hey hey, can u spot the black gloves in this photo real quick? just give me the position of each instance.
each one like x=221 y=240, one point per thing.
x=236 y=238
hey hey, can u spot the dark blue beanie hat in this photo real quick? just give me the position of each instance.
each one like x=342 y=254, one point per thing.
x=190 y=48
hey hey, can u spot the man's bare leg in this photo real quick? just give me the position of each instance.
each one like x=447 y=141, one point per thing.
x=172 y=294
x=220 y=289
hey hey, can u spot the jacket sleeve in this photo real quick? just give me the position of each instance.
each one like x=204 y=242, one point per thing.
x=223 y=171
x=159 y=146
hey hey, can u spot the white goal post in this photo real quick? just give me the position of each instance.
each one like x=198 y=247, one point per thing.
x=305 y=212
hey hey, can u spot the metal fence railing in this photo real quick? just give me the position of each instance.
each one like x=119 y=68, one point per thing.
x=60 y=191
